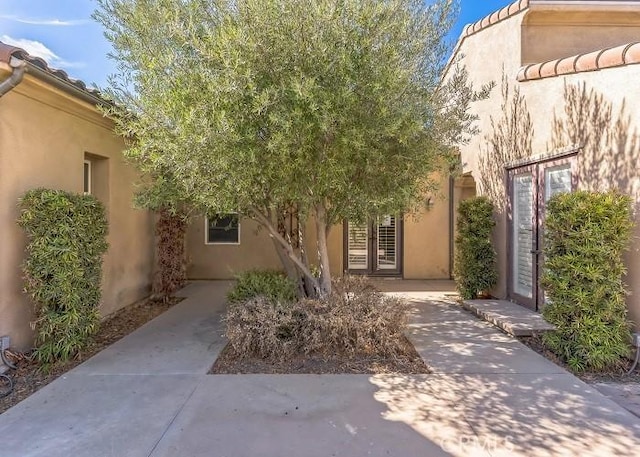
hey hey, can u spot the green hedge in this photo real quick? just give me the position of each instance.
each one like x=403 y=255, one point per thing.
x=270 y=284
x=586 y=235
x=475 y=268
x=63 y=268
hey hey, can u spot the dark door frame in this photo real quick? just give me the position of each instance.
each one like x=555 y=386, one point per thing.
x=538 y=169
x=371 y=249
x=529 y=302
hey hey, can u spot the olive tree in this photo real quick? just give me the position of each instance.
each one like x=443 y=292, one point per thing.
x=332 y=107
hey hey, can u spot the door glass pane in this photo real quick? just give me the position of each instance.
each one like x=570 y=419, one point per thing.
x=523 y=235
x=386 y=243
x=556 y=180
x=357 y=253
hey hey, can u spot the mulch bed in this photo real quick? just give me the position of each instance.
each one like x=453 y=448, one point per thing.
x=618 y=375
x=408 y=362
x=29 y=377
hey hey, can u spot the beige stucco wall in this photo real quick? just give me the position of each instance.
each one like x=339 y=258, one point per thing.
x=615 y=163
x=425 y=253
x=489 y=56
x=549 y=35
x=44 y=137
x=427 y=238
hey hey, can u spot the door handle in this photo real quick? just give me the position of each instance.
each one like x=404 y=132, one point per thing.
x=536 y=252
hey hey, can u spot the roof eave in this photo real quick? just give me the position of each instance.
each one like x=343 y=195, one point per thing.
x=61 y=84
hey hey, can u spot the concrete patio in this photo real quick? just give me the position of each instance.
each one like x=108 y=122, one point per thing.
x=149 y=395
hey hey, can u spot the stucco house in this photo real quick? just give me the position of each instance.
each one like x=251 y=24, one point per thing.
x=52 y=135
x=415 y=246
x=563 y=116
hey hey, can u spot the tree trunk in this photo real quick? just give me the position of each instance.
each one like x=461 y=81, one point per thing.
x=309 y=287
x=290 y=269
x=323 y=251
x=288 y=249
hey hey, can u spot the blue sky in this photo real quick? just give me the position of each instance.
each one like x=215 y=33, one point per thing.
x=63 y=33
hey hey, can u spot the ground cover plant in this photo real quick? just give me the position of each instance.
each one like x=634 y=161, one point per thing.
x=274 y=286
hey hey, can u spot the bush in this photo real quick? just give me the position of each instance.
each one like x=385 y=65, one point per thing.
x=273 y=285
x=475 y=267
x=354 y=319
x=586 y=235
x=63 y=268
x=171 y=272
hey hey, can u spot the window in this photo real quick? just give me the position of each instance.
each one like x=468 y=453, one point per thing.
x=87 y=177
x=222 y=229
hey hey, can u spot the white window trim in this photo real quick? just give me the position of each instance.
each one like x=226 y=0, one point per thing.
x=90 y=183
x=213 y=243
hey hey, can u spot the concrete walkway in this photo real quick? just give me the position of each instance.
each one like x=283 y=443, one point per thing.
x=149 y=395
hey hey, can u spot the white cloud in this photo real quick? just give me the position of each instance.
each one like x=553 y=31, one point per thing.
x=53 y=22
x=38 y=49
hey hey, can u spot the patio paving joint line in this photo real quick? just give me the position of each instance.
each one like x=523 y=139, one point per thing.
x=173 y=419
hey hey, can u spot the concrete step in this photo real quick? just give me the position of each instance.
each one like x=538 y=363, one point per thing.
x=510 y=317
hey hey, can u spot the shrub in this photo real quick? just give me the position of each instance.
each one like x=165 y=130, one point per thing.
x=475 y=268
x=63 y=268
x=171 y=272
x=354 y=319
x=271 y=284
x=586 y=235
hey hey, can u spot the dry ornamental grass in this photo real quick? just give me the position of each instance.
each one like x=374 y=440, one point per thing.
x=355 y=329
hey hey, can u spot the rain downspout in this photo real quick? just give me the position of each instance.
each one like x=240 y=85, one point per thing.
x=19 y=67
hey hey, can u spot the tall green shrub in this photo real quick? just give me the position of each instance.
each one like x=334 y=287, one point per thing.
x=63 y=268
x=586 y=235
x=475 y=258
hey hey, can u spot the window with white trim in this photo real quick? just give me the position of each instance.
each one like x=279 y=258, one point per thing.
x=222 y=229
x=87 y=177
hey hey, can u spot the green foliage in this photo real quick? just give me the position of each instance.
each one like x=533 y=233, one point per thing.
x=63 y=268
x=336 y=108
x=274 y=286
x=475 y=257
x=586 y=235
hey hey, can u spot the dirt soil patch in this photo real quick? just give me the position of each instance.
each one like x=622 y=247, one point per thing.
x=408 y=362
x=29 y=377
x=618 y=375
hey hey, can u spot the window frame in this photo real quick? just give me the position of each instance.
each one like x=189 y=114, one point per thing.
x=228 y=243
x=89 y=165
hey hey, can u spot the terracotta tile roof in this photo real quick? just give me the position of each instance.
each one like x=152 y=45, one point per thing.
x=7 y=52
x=618 y=56
x=495 y=17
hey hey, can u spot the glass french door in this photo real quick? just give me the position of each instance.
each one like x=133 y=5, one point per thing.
x=374 y=248
x=531 y=187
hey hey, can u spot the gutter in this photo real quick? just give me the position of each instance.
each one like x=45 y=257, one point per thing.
x=19 y=67
x=61 y=84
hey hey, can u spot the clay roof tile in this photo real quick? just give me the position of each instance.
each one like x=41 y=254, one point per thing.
x=8 y=51
x=626 y=54
x=588 y=62
x=631 y=54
